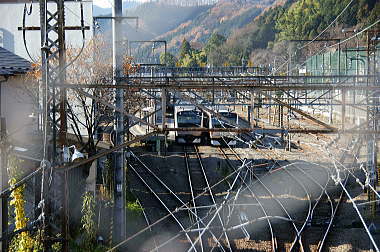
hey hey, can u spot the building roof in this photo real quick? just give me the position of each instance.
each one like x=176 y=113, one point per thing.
x=11 y=64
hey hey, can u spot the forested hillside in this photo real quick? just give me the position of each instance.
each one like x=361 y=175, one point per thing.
x=223 y=18
x=265 y=39
x=235 y=32
x=196 y=24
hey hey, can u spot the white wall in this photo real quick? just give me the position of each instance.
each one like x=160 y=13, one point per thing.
x=12 y=17
x=16 y=106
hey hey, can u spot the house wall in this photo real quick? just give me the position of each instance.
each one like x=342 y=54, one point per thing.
x=16 y=106
x=12 y=18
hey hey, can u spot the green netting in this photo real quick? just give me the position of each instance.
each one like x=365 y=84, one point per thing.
x=350 y=63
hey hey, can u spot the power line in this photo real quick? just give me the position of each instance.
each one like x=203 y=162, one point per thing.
x=340 y=14
x=356 y=34
x=339 y=43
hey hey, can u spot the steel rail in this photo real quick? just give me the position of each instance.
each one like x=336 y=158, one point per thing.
x=270 y=192
x=191 y=189
x=323 y=192
x=148 y=223
x=234 y=200
x=216 y=212
x=168 y=215
x=211 y=195
x=220 y=206
x=335 y=208
x=165 y=206
x=334 y=211
x=274 y=241
x=223 y=203
x=170 y=191
x=239 y=226
x=309 y=214
x=321 y=244
x=299 y=232
x=310 y=208
x=273 y=196
x=360 y=216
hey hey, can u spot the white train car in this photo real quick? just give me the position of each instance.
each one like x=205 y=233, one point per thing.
x=223 y=138
x=188 y=116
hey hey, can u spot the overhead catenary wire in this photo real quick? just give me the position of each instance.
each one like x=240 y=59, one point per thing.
x=165 y=206
x=261 y=206
x=361 y=167
x=338 y=180
x=334 y=211
x=172 y=193
x=138 y=233
x=192 y=188
x=223 y=203
x=360 y=216
x=26 y=12
x=168 y=215
x=326 y=47
x=320 y=34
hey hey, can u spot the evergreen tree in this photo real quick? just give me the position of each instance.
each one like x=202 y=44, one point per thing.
x=215 y=41
x=189 y=61
x=169 y=59
x=185 y=49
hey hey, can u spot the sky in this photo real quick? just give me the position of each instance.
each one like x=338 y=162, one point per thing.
x=107 y=3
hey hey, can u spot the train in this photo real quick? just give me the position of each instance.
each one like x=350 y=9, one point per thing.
x=190 y=116
x=223 y=138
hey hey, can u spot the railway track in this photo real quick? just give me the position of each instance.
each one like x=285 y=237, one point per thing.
x=319 y=219
x=159 y=193
x=296 y=245
x=265 y=211
x=201 y=192
x=300 y=177
x=172 y=204
x=251 y=204
x=319 y=213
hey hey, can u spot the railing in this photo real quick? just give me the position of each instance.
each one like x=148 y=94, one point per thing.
x=160 y=70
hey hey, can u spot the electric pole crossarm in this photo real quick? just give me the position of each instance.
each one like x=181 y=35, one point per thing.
x=116 y=18
x=66 y=28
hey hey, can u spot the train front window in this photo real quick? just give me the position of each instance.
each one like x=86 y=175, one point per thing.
x=218 y=123
x=187 y=119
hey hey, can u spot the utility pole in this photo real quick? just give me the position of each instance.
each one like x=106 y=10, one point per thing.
x=373 y=116
x=52 y=27
x=119 y=215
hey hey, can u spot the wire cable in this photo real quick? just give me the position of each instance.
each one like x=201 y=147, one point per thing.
x=26 y=12
x=343 y=41
x=326 y=47
x=340 y=14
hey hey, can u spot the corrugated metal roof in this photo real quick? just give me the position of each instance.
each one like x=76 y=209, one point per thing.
x=11 y=64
